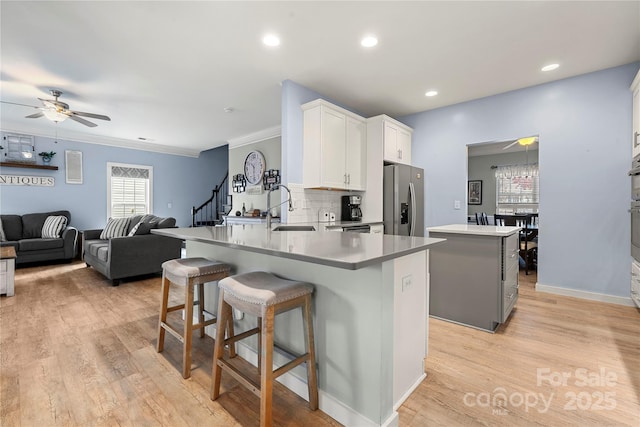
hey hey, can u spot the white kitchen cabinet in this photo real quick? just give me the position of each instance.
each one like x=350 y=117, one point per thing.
x=635 y=89
x=396 y=138
x=334 y=144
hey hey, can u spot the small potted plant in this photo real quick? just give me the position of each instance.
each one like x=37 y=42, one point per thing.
x=47 y=156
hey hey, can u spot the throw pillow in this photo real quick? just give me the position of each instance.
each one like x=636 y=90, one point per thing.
x=53 y=226
x=142 y=228
x=116 y=227
x=3 y=238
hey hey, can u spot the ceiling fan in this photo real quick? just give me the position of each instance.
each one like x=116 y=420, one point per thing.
x=58 y=111
x=525 y=142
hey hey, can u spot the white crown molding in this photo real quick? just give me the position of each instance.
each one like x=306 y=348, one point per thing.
x=103 y=140
x=254 y=137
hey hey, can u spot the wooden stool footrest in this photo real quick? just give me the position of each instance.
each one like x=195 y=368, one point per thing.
x=172 y=331
x=175 y=307
x=203 y=324
x=241 y=336
x=290 y=365
x=235 y=373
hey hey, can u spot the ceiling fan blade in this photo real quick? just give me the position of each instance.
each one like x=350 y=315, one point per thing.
x=83 y=121
x=92 y=115
x=35 y=116
x=511 y=145
x=15 y=103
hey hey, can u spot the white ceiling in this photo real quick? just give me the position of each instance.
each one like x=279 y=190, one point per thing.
x=166 y=70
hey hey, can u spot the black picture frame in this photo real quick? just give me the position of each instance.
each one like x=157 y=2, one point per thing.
x=474 y=192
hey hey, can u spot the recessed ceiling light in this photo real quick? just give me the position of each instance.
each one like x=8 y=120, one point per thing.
x=271 y=40
x=369 y=41
x=431 y=93
x=228 y=109
x=550 y=67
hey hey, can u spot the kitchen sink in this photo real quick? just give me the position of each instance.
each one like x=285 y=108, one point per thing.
x=295 y=228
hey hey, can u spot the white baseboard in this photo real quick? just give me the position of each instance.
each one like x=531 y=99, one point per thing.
x=591 y=296
x=328 y=404
x=406 y=395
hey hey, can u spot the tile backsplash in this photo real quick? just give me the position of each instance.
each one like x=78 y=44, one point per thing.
x=308 y=203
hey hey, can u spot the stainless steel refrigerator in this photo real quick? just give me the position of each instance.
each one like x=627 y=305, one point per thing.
x=403 y=200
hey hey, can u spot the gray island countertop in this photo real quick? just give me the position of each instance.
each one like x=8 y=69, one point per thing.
x=471 y=229
x=350 y=251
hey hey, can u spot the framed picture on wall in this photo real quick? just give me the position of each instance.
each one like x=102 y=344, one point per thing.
x=474 y=194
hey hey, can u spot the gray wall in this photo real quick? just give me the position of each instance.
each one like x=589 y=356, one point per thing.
x=181 y=181
x=480 y=168
x=584 y=125
x=271 y=151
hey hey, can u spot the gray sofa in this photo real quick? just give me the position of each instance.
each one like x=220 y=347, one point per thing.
x=122 y=257
x=24 y=233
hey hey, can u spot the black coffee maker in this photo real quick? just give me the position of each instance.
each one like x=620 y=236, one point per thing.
x=351 y=208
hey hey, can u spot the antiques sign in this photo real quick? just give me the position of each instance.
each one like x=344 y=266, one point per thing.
x=42 y=181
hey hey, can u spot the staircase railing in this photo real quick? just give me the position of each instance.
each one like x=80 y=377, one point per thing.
x=212 y=210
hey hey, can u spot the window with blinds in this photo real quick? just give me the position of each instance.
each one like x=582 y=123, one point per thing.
x=129 y=190
x=517 y=189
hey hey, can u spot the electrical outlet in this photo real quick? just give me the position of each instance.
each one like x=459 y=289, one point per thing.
x=456 y=204
x=406 y=282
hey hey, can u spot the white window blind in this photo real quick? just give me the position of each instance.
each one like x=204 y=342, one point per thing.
x=129 y=190
x=517 y=189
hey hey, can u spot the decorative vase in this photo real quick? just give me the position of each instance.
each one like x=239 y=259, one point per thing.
x=46 y=160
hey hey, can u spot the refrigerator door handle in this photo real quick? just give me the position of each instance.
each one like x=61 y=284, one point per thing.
x=412 y=195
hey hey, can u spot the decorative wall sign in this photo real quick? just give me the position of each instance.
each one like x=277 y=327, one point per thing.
x=39 y=181
x=254 y=190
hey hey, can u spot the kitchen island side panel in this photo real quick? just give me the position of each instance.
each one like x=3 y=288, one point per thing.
x=466 y=279
x=353 y=326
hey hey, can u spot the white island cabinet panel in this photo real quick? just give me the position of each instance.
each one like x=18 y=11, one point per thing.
x=367 y=288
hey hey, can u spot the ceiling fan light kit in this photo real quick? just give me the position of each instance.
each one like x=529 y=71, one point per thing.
x=54 y=116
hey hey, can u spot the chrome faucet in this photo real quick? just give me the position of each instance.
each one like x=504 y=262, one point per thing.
x=275 y=187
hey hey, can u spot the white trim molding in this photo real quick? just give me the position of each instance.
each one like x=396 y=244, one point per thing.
x=254 y=137
x=586 y=295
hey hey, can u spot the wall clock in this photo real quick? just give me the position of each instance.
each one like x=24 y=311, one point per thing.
x=254 y=167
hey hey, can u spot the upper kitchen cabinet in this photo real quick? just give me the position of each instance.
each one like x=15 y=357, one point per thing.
x=635 y=89
x=396 y=138
x=334 y=147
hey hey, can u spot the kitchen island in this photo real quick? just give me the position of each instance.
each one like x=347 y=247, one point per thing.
x=370 y=310
x=474 y=279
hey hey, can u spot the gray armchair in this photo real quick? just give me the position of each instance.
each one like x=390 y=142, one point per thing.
x=122 y=257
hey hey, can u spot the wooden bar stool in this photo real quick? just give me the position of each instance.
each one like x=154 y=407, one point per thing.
x=188 y=272
x=263 y=295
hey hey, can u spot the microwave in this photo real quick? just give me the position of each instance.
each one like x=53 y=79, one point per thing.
x=634 y=173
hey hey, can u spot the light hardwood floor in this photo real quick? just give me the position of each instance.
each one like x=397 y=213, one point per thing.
x=76 y=351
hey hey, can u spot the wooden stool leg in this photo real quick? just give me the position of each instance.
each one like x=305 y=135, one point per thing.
x=312 y=379
x=201 y=307
x=188 y=331
x=230 y=333
x=163 y=312
x=224 y=314
x=266 y=367
x=259 y=342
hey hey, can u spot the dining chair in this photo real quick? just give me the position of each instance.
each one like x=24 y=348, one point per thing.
x=481 y=218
